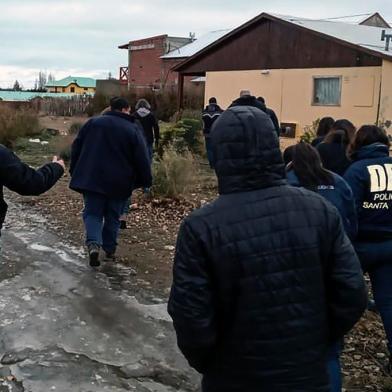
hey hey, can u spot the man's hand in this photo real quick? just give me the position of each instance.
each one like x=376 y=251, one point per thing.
x=58 y=161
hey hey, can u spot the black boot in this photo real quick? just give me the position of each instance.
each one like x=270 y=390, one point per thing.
x=93 y=254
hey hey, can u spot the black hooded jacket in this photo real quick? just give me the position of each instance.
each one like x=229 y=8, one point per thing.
x=210 y=114
x=264 y=278
x=20 y=178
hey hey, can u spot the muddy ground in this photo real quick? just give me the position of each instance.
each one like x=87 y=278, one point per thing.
x=147 y=247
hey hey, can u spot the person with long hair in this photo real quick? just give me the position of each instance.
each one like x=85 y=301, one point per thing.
x=304 y=169
x=333 y=150
x=370 y=177
x=324 y=126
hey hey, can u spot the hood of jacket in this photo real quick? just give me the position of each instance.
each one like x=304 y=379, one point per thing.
x=143 y=112
x=246 y=151
x=375 y=150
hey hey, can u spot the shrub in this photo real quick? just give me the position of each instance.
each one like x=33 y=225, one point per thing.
x=310 y=132
x=192 y=113
x=63 y=147
x=74 y=128
x=17 y=123
x=174 y=173
x=184 y=135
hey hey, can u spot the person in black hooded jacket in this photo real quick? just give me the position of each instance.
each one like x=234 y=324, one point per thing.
x=264 y=277
x=21 y=178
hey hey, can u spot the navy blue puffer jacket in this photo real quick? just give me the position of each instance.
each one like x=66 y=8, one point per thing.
x=109 y=157
x=264 y=277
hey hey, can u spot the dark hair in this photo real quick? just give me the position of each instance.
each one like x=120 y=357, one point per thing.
x=308 y=167
x=118 y=103
x=212 y=100
x=325 y=125
x=288 y=154
x=369 y=134
x=342 y=131
x=261 y=99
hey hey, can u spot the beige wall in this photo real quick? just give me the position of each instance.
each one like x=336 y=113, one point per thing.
x=386 y=93
x=289 y=92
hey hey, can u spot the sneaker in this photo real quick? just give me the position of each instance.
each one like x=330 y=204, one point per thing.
x=123 y=224
x=93 y=254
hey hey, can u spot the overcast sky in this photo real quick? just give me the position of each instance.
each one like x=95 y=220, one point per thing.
x=80 y=37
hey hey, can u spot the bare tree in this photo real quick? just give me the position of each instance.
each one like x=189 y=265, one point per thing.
x=51 y=78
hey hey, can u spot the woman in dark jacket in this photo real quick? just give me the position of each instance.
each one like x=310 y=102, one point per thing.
x=333 y=150
x=325 y=125
x=370 y=177
x=305 y=170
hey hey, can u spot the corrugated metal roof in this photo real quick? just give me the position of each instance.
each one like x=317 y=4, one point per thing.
x=195 y=46
x=25 y=96
x=367 y=37
x=80 y=81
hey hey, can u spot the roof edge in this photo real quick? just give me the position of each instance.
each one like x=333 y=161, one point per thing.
x=267 y=16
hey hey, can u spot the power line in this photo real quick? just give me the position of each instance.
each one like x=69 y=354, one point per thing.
x=348 y=16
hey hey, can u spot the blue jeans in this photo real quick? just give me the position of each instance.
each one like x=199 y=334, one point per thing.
x=101 y=218
x=150 y=150
x=381 y=279
x=334 y=367
x=210 y=155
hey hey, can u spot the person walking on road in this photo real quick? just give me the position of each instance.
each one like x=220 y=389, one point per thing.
x=24 y=180
x=149 y=124
x=264 y=277
x=210 y=114
x=109 y=160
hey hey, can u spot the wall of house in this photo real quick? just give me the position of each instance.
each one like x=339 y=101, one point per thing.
x=290 y=92
x=78 y=90
x=386 y=94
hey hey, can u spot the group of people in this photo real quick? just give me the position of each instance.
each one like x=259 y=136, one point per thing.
x=268 y=278
x=212 y=112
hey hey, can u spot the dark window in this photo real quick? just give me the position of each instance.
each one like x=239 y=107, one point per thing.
x=72 y=89
x=85 y=89
x=327 y=91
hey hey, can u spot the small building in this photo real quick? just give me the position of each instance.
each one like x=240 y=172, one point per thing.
x=147 y=69
x=305 y=69
x=72 y=85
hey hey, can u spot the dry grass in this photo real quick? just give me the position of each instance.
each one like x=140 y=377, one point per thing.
x=17 y=123
x=174 y=174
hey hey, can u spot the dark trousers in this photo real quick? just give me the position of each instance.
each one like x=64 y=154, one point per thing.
x=210 y=156
x=334 y=367
x=101 y=218
x=376 y=259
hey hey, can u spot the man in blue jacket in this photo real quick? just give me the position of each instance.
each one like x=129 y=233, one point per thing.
x=109 y=160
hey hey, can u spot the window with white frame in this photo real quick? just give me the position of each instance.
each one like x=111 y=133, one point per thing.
x=327 y=90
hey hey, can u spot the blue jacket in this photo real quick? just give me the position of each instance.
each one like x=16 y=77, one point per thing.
x=370 y=177
x=109 y=157
x=340 y=195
